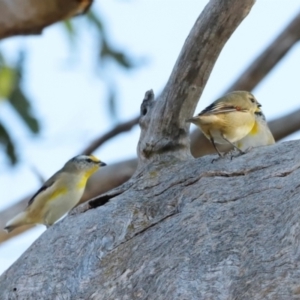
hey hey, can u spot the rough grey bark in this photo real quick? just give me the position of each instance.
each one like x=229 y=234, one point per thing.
x=228 y=230
x=32 y=16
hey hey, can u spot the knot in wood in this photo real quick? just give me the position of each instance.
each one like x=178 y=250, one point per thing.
x=146 y=106
x=148 y=101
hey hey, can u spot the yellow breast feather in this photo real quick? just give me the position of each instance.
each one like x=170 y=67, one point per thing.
x=254 y=129
x=82 y=182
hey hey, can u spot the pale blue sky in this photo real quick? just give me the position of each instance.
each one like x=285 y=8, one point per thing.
x=68 y=95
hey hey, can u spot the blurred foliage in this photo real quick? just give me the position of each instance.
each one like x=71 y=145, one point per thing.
x=12 y=92
x=107 y=53
x=106 y=50
x=7 y=143
x=11 y=79
x=7 y=81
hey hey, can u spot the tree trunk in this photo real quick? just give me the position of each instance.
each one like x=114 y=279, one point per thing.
x=180 y=228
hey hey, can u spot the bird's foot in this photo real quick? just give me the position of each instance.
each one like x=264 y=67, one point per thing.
x=248 y=149
x=221 y=156
x=236 y=153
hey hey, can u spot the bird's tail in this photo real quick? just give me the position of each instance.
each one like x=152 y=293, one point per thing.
x=18 y=220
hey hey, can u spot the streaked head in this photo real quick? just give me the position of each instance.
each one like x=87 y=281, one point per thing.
x=84 y=163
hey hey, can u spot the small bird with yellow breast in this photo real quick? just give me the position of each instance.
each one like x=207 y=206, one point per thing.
x=228 y=119
x=59 y=194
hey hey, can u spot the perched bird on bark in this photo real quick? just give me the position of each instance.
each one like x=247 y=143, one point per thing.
x=59 y=194
x=228 y=119
x=260 y=134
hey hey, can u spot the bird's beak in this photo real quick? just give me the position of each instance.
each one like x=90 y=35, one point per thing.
x=102 y=164
x=192 y=120
x=258 y=107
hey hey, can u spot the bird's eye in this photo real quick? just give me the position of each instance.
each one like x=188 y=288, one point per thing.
x=88 y=160
x=252 y=100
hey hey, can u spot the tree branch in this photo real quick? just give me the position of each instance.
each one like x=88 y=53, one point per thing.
x=21 y=17
x=120 y=128
x=285 y=125
x=252 y=76
x=267 y=60
x=164 y=127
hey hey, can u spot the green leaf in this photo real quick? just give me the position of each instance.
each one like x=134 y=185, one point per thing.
x=121 y=57
x=20 y=102
x=70 y=29
x=8 y=145
x=111 y=100
x=22 y=105
x=106 y=50
x=95 y=20
x=7 y=81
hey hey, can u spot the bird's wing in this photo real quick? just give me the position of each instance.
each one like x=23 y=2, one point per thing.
x=44 y=188
x=219 y=108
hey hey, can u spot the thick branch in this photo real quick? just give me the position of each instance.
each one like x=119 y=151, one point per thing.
x=19 y=17
x=227 y=230
x=285 y=125
x=167 y=131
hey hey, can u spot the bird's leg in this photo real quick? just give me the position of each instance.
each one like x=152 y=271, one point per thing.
x=213 y=142
x=248 y=149
x=234 y=146
x=46 y=221
x=220 y=154
x=240 y=153
x=231 y=154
